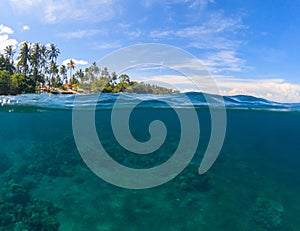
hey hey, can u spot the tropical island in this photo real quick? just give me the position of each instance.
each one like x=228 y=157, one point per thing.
x=36 y=71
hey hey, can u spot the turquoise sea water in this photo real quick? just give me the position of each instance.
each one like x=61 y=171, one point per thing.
x=45 y=184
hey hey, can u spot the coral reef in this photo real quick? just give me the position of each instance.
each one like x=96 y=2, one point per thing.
x=59 y=159
x=34 y=216
x=190 y=180
x=268 y=214
x=15 y=193
x=19 y=212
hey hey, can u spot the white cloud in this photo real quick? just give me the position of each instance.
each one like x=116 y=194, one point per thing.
x=149 y=3
x=5 y=30
x=213 y=31
x=61 y=10
x=192 y=64
x=224 y=60
x=110 y=45
x=5 y=40
x=278 y=90
x=160 y=34
x=76 y=61
x=216 y=36
x=133 y=34
x=198 y=4
x=25 y=3
x=26 y=27
x=79 y=34
x=273 y=89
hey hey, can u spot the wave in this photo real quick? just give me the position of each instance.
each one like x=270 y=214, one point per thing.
x=107 y=101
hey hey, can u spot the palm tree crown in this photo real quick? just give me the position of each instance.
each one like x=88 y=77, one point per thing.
x=71 y=66
x=53 y=52
x=9 y=53
x=23 y=58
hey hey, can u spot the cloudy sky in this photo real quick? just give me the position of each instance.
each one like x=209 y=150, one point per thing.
x=249 y=47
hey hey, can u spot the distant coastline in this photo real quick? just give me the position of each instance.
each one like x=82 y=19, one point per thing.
x=36 y=71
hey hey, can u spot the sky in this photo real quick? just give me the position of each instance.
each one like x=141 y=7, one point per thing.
x=249 y=47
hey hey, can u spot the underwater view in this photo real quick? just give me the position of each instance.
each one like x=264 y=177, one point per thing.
x=46 y=185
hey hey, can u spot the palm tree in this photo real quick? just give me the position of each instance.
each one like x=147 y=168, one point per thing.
x=114 y=78
x=9 y=53
x=53 y=70
x=34 y=59
x=63 y=72
x=23 y=58
x=71 y=66
x=53 y=52
x=43 y=60
x=80 y=75
x=105 y=74
x=95 y=69
x=5 y=65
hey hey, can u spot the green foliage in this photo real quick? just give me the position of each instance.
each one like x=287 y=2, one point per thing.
x=98 y=85
x=15 y=84
x=24 y=57
x=6 y=65
x=143 y=88
x=4 y=82
x=73 y=80
x=22 y=84
x=97 y=80
x=36 y=65
x=32 y=69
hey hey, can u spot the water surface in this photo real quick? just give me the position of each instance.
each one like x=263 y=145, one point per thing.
x=45 y=184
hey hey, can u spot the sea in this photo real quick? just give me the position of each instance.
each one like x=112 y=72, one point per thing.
x=51 y=177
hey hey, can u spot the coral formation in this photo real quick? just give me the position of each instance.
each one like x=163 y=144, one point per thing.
x=15 y=193
x=34 y=216
x=57 y=160
x=19 y=212
x=268 y=214
x=190 y=180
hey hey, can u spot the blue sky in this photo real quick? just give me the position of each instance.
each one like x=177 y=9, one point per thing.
x=250 y=47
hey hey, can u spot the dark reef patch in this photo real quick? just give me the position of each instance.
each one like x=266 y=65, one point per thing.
x=5 y=162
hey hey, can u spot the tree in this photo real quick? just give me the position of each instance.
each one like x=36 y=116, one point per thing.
x=6 y=65
x=35 y=60
x=124 y=78
x=95 y=69
x=63 y=72
x=124 y=83
x=114 y=77
x=99 y=85
x=9 y=54
x=71 y=66
x=14 y=84
x=4 y=82
x=74 y=82
x=105 y=74
x=43 y=61
x=53 y=70
x=23 y=58
x=80 y=75
x=23 y=83
x=90 y=76
x=53 y=52
x=34 y=64
x=57 y=82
